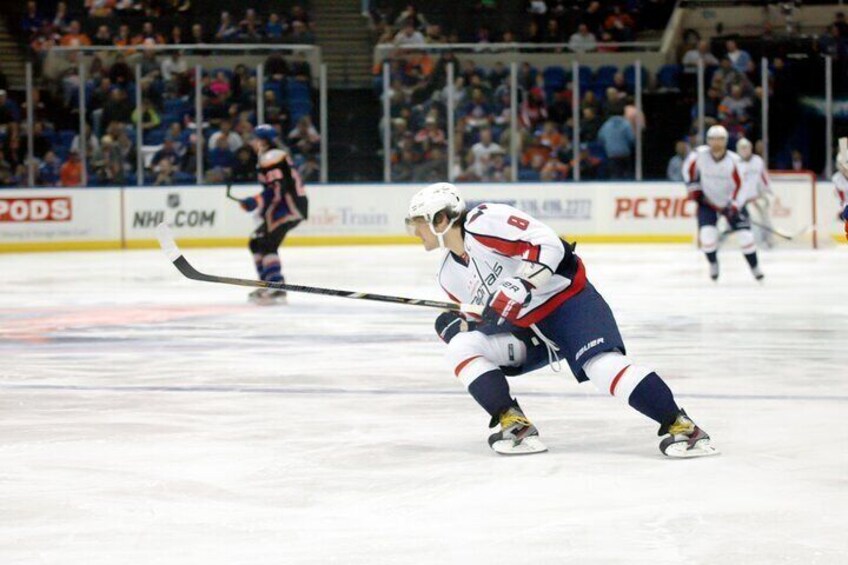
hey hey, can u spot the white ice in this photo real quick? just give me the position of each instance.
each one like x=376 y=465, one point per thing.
x=145 y=418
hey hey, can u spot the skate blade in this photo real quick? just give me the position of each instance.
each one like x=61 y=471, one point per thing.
x=264 y=301
x=526 y=447
x=702 y=448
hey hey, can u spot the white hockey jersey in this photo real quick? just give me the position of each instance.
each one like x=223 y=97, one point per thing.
x=719 y=180
x=499 y=240
x=755 y=175
x=841 y=185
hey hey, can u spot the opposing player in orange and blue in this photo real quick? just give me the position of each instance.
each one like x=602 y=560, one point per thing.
x=281 y=205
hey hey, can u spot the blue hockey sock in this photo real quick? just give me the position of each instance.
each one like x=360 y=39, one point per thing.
x=491 y=391
x=257 y=260
x=271 y=268
x=654 y=399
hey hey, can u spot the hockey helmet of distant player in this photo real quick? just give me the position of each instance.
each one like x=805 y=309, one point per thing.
x=717 y=132
x=744 y=148
x=266 y=132
x=428 y=202
x=842 y=156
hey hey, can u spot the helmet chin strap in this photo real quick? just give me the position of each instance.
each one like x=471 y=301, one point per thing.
x=440 y=236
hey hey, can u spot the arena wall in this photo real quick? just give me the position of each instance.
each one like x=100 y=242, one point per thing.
x=55 y=219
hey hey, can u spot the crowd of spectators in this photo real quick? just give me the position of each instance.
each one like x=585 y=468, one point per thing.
x=734 y=92
x=165 y=115
x=418 y=97
x=130 y=22
x=582 y=24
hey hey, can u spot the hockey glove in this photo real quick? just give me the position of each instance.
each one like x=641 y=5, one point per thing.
x=731 y=212
x=507 y=301
x=696 y=194
x=248 y=204
x=448 y=324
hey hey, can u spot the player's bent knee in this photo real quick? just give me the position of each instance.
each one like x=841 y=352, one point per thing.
x=615 y=374
x=467 y=356
x=746 y=241
x=708 y=237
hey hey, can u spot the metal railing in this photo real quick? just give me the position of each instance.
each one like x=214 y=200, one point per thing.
x=204 y=58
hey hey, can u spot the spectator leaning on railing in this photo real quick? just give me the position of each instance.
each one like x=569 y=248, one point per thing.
x=582 y=40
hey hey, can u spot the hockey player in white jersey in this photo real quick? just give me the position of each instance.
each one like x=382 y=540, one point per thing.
x=713 y=179
x=540 y=309
x=840 y=180
x=755 y=175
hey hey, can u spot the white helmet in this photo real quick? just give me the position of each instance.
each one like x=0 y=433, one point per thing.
x=716 y=132
x=842 y=156
x=429 y=201
x=744 y=148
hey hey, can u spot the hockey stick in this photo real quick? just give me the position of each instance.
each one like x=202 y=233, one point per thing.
x=169 y=246
x=782 y=235
x=769 y=229
x=230 y=194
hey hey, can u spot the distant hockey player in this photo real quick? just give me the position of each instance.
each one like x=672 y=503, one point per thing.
x=713 y=180
x=540 y=308
x=840 y=180
x=755 y=175
x=282 y=205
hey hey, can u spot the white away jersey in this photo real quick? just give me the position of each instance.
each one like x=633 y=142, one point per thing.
x=841 y=184
x=720 y=180
x=498 y=240
x=755 y=175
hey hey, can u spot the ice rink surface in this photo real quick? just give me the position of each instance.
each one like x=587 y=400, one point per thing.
x=145 y=418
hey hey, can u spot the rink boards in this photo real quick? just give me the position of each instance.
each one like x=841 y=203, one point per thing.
x=52 y=219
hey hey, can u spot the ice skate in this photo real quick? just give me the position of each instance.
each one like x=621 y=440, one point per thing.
x=267 y=297
x=518 y=436
x=685 y=439
x=758 y=273
x=714 y=272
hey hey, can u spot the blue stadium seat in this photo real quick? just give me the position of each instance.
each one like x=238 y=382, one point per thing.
x=299 y=109
x=669 y=76
x=584 y=73
x=528 y=175
x=605 y=75
x=169 y=118
x=177 y=105
x=555 y=78
x=154 y=136
x=182 y=177
x=297 y=90
x=596 y=149
x=277 y=88
x=630 y=76
x=66 y=136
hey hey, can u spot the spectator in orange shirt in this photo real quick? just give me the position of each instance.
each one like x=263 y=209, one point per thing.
x=148 y=33
x=71 y=172
x=74 y=37
x=551 y=137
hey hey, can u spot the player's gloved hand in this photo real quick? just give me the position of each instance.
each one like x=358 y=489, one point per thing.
x=695 y=193
x=507 y=301
x=248 y=204
x=731 y=212
x=448 y=324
